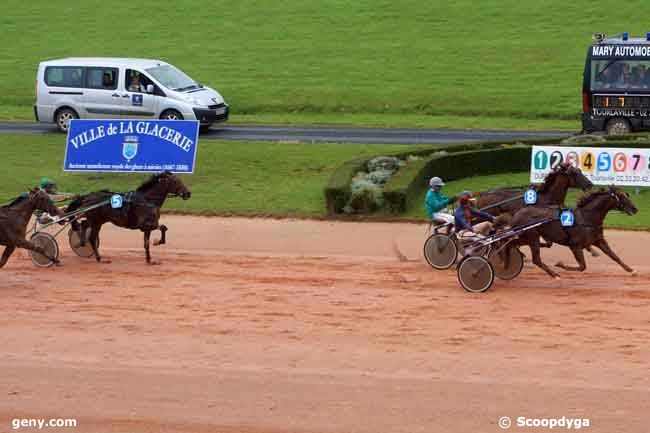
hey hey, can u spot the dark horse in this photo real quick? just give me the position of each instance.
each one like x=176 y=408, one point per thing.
x=140 y=210
x=14 y=218
x=552 y=192
x=587 y=229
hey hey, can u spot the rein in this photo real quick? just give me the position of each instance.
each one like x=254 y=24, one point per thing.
x=506 y=201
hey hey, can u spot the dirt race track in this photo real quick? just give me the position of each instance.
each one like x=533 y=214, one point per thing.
x=267 y=326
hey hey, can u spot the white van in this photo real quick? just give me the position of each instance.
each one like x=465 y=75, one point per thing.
x=117 y=88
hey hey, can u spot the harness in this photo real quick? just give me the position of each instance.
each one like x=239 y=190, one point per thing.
x=130 y=201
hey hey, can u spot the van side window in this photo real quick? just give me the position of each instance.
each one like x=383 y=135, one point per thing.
x=620 y=74
x=136 y=81
x=64 y=76
x=101 y=78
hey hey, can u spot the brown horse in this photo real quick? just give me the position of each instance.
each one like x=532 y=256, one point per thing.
x=587 y=229
x=140 y=210
x=552 y=191
x=14 y=218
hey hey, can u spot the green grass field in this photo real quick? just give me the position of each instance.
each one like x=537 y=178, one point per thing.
x=241 y=178
x=491 y=64
x=481 y=183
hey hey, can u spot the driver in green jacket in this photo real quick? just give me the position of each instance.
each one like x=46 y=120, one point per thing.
x=50 y=187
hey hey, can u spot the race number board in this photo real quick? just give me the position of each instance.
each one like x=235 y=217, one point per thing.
x=602 y=165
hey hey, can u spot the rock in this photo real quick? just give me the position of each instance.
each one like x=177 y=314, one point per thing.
x=383 y=163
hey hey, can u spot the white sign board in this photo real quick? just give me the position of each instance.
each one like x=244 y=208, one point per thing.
x=602 y=165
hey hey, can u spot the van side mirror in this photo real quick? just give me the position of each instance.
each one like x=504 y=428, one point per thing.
x=149 y=88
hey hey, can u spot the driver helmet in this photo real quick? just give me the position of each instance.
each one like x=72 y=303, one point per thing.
x=45 y=182
x=436 y=181
x=465 y=197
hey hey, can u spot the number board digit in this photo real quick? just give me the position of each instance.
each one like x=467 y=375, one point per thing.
x=572 y=158
x=637 y=162
x=604 y=161
x=556 y=159
x=587 y=161
x=620 y=162
x=541 y=160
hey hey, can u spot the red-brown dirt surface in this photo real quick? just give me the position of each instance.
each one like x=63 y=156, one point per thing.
x=268 y=326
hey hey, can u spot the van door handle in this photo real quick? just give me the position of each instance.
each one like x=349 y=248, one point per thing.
x=125 y=96
x=115 y=95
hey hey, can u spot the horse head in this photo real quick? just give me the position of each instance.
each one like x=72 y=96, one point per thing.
x=42 y=201
x=576 y=178
x=174 y=185
x=623 y=201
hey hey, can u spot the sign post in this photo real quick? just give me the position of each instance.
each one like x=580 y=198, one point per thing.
x=132 y=146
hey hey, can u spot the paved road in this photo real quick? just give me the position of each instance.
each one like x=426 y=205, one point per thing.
x=329 y=134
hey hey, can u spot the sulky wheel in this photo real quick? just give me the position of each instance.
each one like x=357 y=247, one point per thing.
x=48 y=243
x=475 y=274
x=440 y=251
x=507 y=263
x=75 y=244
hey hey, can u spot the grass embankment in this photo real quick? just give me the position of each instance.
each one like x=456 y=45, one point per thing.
x=242 y=178
x=490 y=64
x=482 y=183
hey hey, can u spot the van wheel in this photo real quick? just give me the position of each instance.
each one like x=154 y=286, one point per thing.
x=171 y=115
x=63 y=118
x=618 y=126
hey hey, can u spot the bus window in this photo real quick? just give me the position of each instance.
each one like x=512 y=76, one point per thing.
x=619 y=75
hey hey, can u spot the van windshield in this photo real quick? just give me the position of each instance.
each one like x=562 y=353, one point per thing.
x=621 y=74
x=173 y=78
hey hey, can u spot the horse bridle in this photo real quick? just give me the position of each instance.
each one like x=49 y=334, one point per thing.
x=619 y=203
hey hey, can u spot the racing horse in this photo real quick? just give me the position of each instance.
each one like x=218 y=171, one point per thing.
x=139 y=210
x=14 y=218
x=586 y=228
x=551 y=192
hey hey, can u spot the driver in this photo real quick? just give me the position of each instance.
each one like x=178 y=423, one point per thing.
x=463 y=217
x=136 y=85
x=436 y=202
x=50 y=187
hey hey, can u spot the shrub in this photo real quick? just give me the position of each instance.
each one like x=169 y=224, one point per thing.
x=406 y=183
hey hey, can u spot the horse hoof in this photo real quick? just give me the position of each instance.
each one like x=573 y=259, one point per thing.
x=557 y=278
x=104 y=260
x=560 y=264
x=153 y=262
x=634 y=273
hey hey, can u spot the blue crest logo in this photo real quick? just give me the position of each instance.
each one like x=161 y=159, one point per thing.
x=136 y=100
x=130 y=147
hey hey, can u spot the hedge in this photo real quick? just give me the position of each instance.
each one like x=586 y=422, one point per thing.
x=407 y=181
x=403 y=187
x=337 y=191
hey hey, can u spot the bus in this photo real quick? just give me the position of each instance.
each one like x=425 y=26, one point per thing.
x=616 y=85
